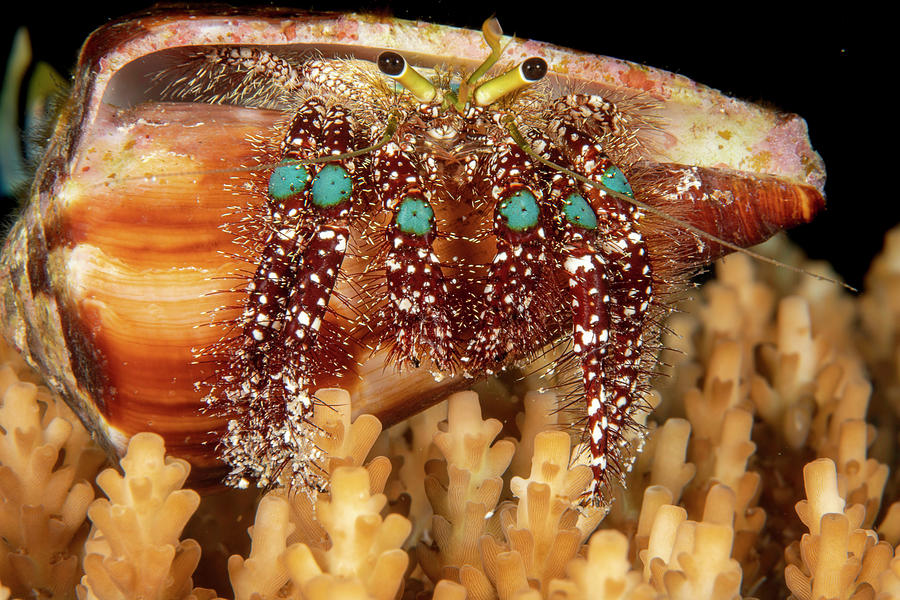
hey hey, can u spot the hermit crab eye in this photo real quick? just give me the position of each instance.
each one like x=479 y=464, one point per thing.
x=526 y=73
x=395 y=66
x=534 y=69
x=391 y=64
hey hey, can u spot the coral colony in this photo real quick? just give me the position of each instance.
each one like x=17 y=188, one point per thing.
x=719 y=505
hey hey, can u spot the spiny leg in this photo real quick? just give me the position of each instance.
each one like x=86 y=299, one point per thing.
x=595 y=111
x=521 y=298
x=590 y=302
x=273 y=432
x=244 y=75
x=288 y=231
x=417 y=319
x=243 y=359
x=611 y=342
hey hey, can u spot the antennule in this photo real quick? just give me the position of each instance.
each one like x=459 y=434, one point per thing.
x=492 y=33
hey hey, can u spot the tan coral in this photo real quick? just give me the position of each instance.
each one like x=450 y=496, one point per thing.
x=837 y=558
x=135 y=549
x=539 y=413
x=343 y=443
x=545 y=530
x=411 y=442
x=605 y=573
x=363 y=559
x=686 y=559
x=45 y=454
x=669 y=451
x=464 y=489
x=889 y=529
x=862 y=479
x=263 y=573
x=888 y=583
x=738 y=305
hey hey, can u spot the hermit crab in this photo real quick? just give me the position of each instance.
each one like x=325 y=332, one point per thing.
x=238 y=209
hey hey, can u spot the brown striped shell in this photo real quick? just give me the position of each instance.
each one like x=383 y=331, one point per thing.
x=111 y=273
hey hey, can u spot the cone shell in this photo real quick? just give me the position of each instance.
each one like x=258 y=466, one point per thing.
x=110 y=274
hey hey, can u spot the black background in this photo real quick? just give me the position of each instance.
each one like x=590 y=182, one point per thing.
x=809 y=62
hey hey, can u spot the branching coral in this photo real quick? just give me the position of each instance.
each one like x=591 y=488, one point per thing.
x=45 y=455
x=363 y=559
x=545 y=530
x=767 y=380
x=464 y=487
x=338 y=546
x=134 y=550
x=837 y=558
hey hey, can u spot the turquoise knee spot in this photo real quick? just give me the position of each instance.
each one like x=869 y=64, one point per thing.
x=415 y=216
x=615 y=180
x=331 y=186
x=520 y=211
x=287 y=180
x=578 y=212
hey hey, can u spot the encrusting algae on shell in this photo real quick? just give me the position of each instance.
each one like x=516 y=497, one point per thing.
x=761 y=477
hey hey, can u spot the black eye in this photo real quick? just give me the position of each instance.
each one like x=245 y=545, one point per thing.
x=533 y=69
x=391 y=63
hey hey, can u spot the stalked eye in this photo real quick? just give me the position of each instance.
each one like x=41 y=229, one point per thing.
x=287 y=180
x=520 y=211
x=331 y=186
x=578 y=212
x=391 y=64
x=534 y=69
x=395 y=66
x=526 y=73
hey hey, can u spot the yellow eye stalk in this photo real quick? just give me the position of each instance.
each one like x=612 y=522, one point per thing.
x=528 y=72
x=395 y=66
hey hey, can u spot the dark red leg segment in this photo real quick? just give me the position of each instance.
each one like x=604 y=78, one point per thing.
x=615 y=305
x=521 y=297
x=417 y=317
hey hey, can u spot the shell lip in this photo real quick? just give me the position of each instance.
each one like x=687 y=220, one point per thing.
x=778 y=147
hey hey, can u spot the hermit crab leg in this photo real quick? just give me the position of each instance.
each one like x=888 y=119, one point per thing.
x=417 y=318
x=271 y=433
x=246 y=75
x=271 y=284
x=590 y=301
x=243 y=359
x=521 y=298
x=610 y=342
x=329 y=203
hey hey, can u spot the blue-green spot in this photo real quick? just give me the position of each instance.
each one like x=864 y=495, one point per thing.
x=578 y=212
x=415 y=216
x=331 y=186
x=615 y=180
x=287 y=180
x=520 y=211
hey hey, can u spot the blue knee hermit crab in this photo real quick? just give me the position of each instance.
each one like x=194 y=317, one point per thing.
x=238 y=209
